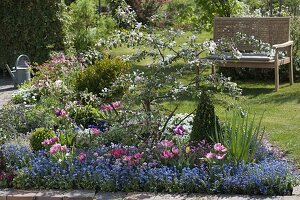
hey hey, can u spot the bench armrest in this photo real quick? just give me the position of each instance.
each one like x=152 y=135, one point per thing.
x=282 y=45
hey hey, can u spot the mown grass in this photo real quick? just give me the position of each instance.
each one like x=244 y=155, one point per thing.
x=282 y=109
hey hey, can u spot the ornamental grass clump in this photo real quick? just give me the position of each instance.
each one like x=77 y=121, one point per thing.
x=241 y=136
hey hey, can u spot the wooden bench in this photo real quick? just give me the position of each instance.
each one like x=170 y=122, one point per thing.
x=272 y=30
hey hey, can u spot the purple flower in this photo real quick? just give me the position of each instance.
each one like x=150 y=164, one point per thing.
x=179 y=130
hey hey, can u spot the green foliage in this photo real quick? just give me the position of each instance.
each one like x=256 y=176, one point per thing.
x=84 y=26
x=209 y=9
x=241 y=137
x=30 y=27
x=295 y=35
x=102 y=75
x=205 y=121
x=144 y=9
x=85 y=115
x=38 y=136
x=180 y=14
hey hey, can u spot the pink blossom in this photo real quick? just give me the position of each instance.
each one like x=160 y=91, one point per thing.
x=166 y=143
x=46 y=142
x=220 y=148
x=58 y=148
x=175 y=150
x=117 y=105
x=210 y=155
x=55 y=139
x=220 y=156
x=108 y=107
x=137 y=156
x=118 y=152
x=166 y=154
x=60 y=113
x=64 y=149
x=55 y=148
x=179 y=130
x=95 y=131
x=130 y=160
x=81 y=157
x=50 y=141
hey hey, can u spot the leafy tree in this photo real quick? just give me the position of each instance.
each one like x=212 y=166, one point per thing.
x=209 y=9
x=144 y=9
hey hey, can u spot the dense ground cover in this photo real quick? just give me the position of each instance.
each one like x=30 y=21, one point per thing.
x=96 y=120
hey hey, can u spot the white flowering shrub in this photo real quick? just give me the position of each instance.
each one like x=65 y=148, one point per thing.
x=162 y=79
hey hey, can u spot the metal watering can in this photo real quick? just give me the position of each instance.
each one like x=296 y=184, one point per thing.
x=21 y=72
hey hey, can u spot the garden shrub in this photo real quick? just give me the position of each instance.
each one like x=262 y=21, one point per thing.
x=95 y=78
x=206 y=122
x=30 y=27
x=85 y=115
x=83 y=25
x=38 y=136
x=144 y=9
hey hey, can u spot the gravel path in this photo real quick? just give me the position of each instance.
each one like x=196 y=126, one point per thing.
x=6 y=90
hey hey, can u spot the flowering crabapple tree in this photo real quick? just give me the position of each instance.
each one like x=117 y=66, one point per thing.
x=161 y=80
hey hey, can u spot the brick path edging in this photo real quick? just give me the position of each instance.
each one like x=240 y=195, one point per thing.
x=12 y=194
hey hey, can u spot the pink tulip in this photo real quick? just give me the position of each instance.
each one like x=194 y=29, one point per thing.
x=81 y=157
x=210 y=155
x=95 y=131
x=166 y=143
x=220 y=148
x=166 y=154
x=175 y=151
x=220 y=156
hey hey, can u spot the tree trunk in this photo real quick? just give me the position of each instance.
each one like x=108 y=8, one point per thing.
x=271 y=8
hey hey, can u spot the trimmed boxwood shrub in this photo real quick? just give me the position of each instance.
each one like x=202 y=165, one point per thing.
x=101 y=75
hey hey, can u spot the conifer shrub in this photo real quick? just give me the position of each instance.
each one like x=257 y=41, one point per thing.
x=205 y=121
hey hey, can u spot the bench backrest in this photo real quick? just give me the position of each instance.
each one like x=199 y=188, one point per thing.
x=272 y=30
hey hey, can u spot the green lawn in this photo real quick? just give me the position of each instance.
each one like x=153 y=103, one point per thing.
x=282 y=109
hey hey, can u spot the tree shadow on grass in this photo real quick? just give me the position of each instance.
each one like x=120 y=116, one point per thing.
x=266 y=94
x=254 y=92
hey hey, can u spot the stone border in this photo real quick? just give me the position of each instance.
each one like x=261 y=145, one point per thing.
x=12 y=194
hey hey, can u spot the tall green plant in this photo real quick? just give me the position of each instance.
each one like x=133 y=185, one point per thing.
x=30 y=27
x=241 y=136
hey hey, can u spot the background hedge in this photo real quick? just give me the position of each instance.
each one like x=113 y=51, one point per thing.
x=32 y=27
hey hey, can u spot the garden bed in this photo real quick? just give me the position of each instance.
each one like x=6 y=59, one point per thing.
x=94 y=122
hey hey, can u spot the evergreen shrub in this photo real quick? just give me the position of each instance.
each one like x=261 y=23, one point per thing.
x=38 y=136
x=205 y=121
